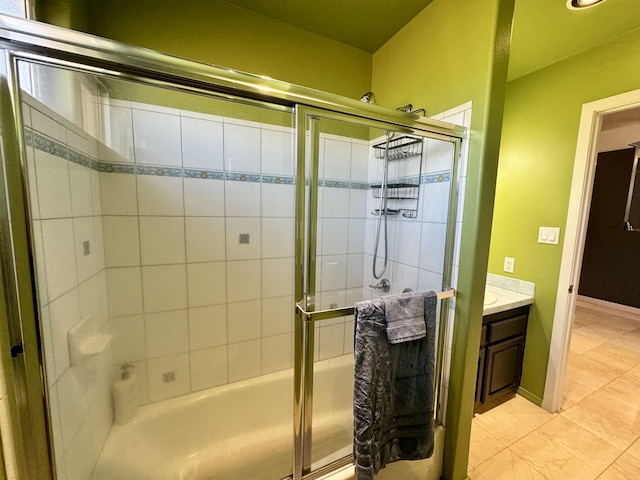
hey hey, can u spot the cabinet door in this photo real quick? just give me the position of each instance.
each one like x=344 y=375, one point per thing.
x=503 y=367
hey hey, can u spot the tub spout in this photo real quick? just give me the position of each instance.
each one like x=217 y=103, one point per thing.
x=383 y=286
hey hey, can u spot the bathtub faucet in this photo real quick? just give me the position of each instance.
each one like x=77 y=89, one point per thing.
x=383 y=286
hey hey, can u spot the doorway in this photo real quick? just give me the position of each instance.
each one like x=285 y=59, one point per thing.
x=575 y=237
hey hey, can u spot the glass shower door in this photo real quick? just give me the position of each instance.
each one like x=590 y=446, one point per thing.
x=162 y=228
x=370 y=231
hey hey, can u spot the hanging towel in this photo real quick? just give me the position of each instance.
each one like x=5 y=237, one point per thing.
x=393 y=390
x=405 y=317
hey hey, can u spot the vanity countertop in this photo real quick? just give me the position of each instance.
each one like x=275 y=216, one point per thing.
x=499 y=300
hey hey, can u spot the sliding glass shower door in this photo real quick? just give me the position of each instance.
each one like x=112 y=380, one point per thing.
x=162 y=227
x=376 y=216
x=170 y=217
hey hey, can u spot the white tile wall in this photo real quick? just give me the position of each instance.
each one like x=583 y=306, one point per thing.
x=59 y=256
x=276 y=353
x=80 y=187
x=243 y=226
x=277 y=277
x=159 y=195
x=207 y=327
x=242 y=199
x=207 y=283
x=157 y=367
x=203 y=198
x=244 y=360
x=162 y=240
x=277 y=152
x=166 y=333
x=128 y=339
x=119 y=129
x=119 y=194
x=244 y=280
x=64 y=313
x=209 y=367
x=72 y=285
x=54 y=189
x=278 y=237
x=337 y=159
x=277 y=315
x=125 y=291
x=121 y=241
x=205 y=239
x=165 y=288
x=157 y=138
x=244 y=321
x=84 y=232
x=183 y=295
x=202 y=143
x=278 y=200
x=454 y=115
x=241 y=148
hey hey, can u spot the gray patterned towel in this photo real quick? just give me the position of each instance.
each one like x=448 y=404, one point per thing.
x=393 y=390
x=405 y=317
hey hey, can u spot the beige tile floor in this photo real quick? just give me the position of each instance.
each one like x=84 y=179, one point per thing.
x=596 y=435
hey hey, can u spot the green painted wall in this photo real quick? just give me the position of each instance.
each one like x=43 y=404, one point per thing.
x=453 y=52
x=222 y=34
x=541 y=118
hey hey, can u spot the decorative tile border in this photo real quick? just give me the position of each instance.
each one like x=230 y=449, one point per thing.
x=48 y=145
x=203 y=174
x=278 y=180
x=158 y=171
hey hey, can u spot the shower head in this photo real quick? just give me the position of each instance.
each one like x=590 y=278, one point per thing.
x=368 y=97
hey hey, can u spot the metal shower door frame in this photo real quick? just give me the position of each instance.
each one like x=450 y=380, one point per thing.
x=307 y=185
x=40 y=43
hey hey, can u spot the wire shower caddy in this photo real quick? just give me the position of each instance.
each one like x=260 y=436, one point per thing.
x=403 y=147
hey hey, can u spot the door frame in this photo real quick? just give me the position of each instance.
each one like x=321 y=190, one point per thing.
x=574 y=239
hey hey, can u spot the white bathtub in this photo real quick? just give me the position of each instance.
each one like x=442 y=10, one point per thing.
x=238 y=431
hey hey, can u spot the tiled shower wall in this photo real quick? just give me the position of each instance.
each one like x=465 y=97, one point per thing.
x=199 y=245
x=415 y=245
x=194 y=280
x=200 y=284
x=65 y=206
x=195 y=277
x=342 y=201
x=460 y=115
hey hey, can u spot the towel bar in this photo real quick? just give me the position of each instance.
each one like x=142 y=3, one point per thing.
x=344 y=311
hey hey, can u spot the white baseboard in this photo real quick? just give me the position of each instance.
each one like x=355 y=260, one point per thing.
x=605 y=306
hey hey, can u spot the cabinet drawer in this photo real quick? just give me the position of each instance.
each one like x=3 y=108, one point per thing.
x=506 y=328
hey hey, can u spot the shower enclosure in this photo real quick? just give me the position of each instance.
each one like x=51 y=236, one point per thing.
x=211 y=231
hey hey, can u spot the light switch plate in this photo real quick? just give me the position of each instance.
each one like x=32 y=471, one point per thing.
x=549 y=235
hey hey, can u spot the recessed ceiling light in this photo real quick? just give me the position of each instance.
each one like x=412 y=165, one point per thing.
x=582 y=4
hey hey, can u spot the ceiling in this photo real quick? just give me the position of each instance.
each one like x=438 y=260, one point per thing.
x=364 y=24
x=544 y=31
